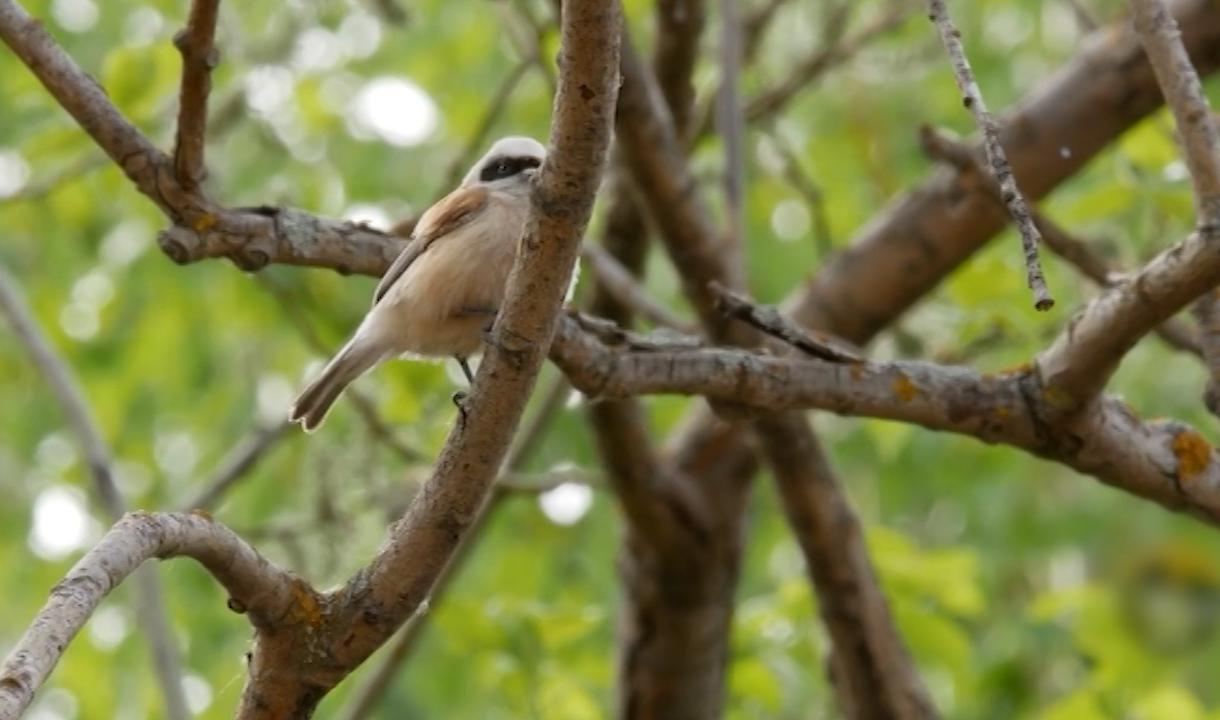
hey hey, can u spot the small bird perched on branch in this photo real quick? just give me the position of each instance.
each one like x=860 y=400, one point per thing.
x=445 y=288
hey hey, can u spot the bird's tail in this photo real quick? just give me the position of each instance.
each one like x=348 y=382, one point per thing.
x=315 y=400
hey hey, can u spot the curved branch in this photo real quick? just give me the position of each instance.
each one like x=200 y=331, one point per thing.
x=254 y=585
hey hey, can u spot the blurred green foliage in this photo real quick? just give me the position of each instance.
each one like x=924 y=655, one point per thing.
x=1022 y=589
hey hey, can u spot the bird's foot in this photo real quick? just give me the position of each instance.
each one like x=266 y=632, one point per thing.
x=459 y=401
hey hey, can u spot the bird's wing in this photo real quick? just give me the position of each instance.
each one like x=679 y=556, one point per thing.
x=448 y=214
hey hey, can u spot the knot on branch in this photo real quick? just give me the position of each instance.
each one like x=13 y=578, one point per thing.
x=179 y=244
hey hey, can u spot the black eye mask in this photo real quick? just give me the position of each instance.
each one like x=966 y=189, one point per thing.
x=503 y=167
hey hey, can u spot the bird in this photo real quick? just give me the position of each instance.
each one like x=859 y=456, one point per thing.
x=443 y=291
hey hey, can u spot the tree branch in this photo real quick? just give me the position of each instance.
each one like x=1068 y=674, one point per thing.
x=1092 y=265
x=199 y=57
x=1163 y=461
x=255 y=586
x=618 y=283
x=1179 y=82
x=237 y=464
x=703 y=256
x=1014 y=201
x=151 y=603
x=380 y=597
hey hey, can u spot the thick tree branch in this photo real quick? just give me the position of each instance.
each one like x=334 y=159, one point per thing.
x=1014 y=201
x=379 y=598
x=703 y=257
x=1165 y=462
x=199 y=57
x=255 y=586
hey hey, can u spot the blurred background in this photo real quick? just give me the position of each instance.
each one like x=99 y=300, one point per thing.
x=1022 y=589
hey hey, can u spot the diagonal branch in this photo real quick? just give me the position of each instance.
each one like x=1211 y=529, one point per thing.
x=1162 y=40
x=1075 y=251
x=1014 y=201
x=1180 y=84
x=199 y=58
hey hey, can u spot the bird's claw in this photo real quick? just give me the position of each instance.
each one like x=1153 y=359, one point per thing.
x=459 y=401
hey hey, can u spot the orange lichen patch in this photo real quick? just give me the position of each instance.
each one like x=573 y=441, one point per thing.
x=857 y=370
x=306 y=604
x=200 y=512
x=904 y=388
x=1193 y=452
x=1058 y=398
x=204 y=223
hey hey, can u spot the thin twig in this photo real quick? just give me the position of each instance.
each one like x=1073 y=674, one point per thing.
x=810 y=191
x=1207 y=312
x=71 y=399
x=237 y=464
x=363 y=405
x=495 y=108
x=1077 y=252
x=619 y=283
x=767 y=103
x=199 y=57
x=773 y=323
x=730 y=119
x=1014 y=201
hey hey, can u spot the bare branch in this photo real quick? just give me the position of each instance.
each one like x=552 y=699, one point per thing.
x=1207 y=311
x=770 y=101
x=255 y=586
x=401 y=648
x=1050 y=134
x=679 y=30
x=153 y=620
x=617 y=281
x=1162 y=461
x=870 y=669
x=702 y=256
x=770 y=321
x=972 y=97
x=1074 y=250
x=237 y=464
x=1081 y=360
x=199 y=57
x=1183 y=92
x=730 y=121
x=379 y=598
